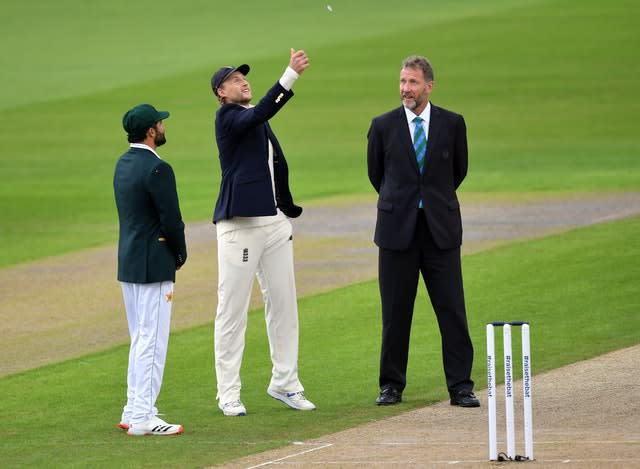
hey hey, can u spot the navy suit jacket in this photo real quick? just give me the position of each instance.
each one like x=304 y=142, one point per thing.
x=243 y=135
x=152 y=242
x=393 y=172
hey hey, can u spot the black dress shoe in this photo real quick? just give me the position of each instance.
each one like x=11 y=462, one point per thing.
x=465 y=399
x=389 y=396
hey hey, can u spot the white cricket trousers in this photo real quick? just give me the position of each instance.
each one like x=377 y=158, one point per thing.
x=148 y=308
x=267 y=253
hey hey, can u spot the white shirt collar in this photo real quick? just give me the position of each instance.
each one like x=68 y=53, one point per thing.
x=144 y=147
x=425 y=114
x=426 y=119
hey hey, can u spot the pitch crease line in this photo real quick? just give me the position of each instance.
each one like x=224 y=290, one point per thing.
x=291 y=456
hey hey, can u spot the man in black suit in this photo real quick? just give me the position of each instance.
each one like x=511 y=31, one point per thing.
x=151 y=248
x=255 y=236
x=417 y=158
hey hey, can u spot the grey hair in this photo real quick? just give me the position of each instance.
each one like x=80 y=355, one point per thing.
x=421 y=63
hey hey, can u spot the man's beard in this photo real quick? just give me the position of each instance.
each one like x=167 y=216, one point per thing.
x=160 y=139
x=410 y=102
x=243 y=100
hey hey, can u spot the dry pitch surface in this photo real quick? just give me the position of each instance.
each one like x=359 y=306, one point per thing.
x=585 y=415
x=580 y=419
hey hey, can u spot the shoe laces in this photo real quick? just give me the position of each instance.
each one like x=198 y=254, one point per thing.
x=297 y=396
x=237 y=403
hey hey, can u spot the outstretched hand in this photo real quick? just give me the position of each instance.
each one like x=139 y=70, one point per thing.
x=299 y=60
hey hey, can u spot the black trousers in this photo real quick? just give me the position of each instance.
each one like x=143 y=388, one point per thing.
x=398 y=273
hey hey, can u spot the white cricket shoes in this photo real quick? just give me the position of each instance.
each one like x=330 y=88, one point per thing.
x=295 y=400
x=154 y=426
x=233 y=409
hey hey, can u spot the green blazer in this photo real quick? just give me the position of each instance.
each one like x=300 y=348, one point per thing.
x=152 y=243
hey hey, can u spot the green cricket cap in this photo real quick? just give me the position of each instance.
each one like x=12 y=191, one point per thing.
x=140 y=118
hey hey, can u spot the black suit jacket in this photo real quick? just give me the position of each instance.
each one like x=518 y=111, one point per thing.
x=393 y=172
x=152 y=242
x=243 y=136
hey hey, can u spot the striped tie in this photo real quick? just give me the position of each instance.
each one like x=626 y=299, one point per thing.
x=419 y=142
x=420 y=146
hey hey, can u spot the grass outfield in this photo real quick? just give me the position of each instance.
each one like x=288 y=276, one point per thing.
x=64 y=415
x=547 y=102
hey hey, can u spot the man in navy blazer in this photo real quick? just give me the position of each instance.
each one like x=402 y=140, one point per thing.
x=151 y=248
x=255 y=236
x=247 y=189
x=417 y=158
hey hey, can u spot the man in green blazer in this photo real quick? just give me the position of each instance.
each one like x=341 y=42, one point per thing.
x=151 y=249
